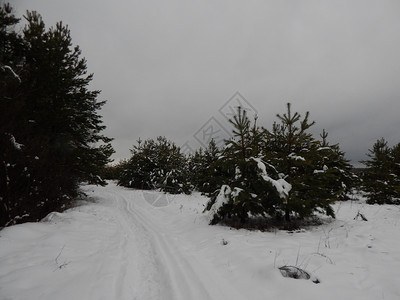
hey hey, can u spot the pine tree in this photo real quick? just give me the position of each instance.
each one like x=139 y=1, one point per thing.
x=50 y=128
x=11 y=152
x=156 y=164
x=300 y=157
x=251 y=186
x=395 y=154
x=339 y=179
x=64 y=111
x=381 y=180
x=203 y=167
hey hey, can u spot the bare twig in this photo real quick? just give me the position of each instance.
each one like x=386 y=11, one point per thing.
x=297 y=258
x=64 y=264
x=323 y=255
x=277 y=253
x=59 y=254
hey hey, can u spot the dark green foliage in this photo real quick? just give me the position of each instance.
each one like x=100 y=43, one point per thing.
x=46 y=106
x=247 y=189
x=283 y=173
x=205 y=173
x=318 y=172
x=112 y=171
x=395 y=167
x=381 y=178
x=156 y=164
x=339 y=178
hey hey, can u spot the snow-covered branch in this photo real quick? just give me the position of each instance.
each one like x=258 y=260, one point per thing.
x=281 y=185
x=5 y=67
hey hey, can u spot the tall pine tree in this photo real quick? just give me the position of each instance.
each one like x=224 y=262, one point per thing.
x=50 y=127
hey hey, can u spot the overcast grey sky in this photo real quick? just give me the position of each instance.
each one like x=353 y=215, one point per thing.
x=167 y=67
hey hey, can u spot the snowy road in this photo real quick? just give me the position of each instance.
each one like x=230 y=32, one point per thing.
x=120 y=247
x=164 y=270
x=126 y=244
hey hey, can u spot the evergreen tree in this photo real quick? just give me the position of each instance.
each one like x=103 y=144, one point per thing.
x=64 y=111
x=307 y=164
x=197 y=168
x=251 y=187
x=50 y=129
x=395 y=154
x=339 y=179
x=381 y=179
x=11 y=153
x=282 y=173
x=203 y=167
x=156 y=164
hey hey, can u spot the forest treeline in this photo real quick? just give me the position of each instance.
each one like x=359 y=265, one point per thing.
x=284 y=174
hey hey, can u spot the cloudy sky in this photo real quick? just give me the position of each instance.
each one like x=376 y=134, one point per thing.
x=170 y=67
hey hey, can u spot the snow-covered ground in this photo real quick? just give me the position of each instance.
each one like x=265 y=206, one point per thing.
x=129 y=244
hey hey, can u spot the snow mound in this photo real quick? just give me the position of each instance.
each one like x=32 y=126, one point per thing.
x=54 y=217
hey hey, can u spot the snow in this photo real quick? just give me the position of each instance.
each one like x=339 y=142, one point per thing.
x=281 y=185
x=12 y=72
x=222 y=198
x=14 y=142
x=119 y=246
x=296 y=157
x=237 y=173
x=324 y=169
x=236 y=191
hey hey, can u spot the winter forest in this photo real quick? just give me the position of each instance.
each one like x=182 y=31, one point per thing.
x=279 y=182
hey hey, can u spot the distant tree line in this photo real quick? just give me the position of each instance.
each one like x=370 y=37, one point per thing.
x=50 y=129
x=284 y=173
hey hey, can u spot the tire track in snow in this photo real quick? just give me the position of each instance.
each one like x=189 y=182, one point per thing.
x=184 y=283
x=139 y=274
x=172 y=275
